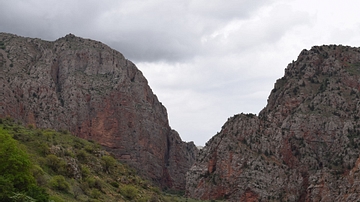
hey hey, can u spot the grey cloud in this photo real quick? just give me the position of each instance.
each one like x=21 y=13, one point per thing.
x=143 y=30
x=226 y=10
x=252 y=34
x=47 y=19
x=154 y=46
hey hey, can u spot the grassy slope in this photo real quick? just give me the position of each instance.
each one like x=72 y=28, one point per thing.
x=73 y=169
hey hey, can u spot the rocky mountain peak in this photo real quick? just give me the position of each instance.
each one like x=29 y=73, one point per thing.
x=303 y=146
x=84 y=86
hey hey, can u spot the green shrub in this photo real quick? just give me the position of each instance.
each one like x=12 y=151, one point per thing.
x=52 y=161
x=145 y=199
x=94 y=183
x=58 y=182
x=15 y=167
x=89 y=148
x=108 y=162
x=91 y=181
x=114 y=184
x=37 y=193
x=56 y=198
x=64 y=132
x=78 y=143
x=69 y=153
x=95 y=193
x=129 y=191
x=38 y=174
x=56 y=164
x=156 y=190
x=82 y=156
x=6 y=188
x=22 y=197
x=43 y=148
x=85 y=171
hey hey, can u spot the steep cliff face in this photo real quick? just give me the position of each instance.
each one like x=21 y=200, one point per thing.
x=303 y=146
x=87 y=88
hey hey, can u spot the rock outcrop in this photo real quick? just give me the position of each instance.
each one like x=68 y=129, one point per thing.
x=303 y=146
x=87 y=88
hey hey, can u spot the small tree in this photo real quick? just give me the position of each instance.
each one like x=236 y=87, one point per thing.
x=108 y=163
x=56 y=164
x=16 y=179
x=129 y=191
x=14 y=167
x=58 y=182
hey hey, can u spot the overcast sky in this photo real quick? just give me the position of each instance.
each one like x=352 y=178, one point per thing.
x=206 y=60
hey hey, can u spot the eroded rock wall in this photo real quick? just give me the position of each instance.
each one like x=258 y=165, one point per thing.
x=303 y=146
x=87 y=88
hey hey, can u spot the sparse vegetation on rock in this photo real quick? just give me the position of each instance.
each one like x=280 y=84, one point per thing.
x=303 y=146
x=85 y=87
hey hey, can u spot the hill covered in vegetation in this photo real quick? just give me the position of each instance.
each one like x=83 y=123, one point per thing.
x=48 y=165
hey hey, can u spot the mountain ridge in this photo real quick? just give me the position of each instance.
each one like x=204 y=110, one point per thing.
x=302 y=146
x=84 y=86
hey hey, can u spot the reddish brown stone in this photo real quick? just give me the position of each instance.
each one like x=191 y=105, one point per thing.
x=249 y=196
x=87 y=88
x=303 y=146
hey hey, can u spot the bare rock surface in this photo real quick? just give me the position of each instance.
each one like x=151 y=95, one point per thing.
x=88 y=88
x=303 y=146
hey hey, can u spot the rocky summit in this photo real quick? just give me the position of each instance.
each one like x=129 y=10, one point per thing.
x=87 y=88
x=303 y=146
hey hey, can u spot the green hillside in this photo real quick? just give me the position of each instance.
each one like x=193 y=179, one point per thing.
x=48 y=165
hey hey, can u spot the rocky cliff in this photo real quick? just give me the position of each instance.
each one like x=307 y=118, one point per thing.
x=303 y=146
x=87 y=88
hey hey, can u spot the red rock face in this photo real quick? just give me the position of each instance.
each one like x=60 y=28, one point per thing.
x=249 y=196
x=303 y=146
x=91 y=90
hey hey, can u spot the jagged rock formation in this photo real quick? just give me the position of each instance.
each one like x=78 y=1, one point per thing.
x=303 y=146
x=87 y=88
